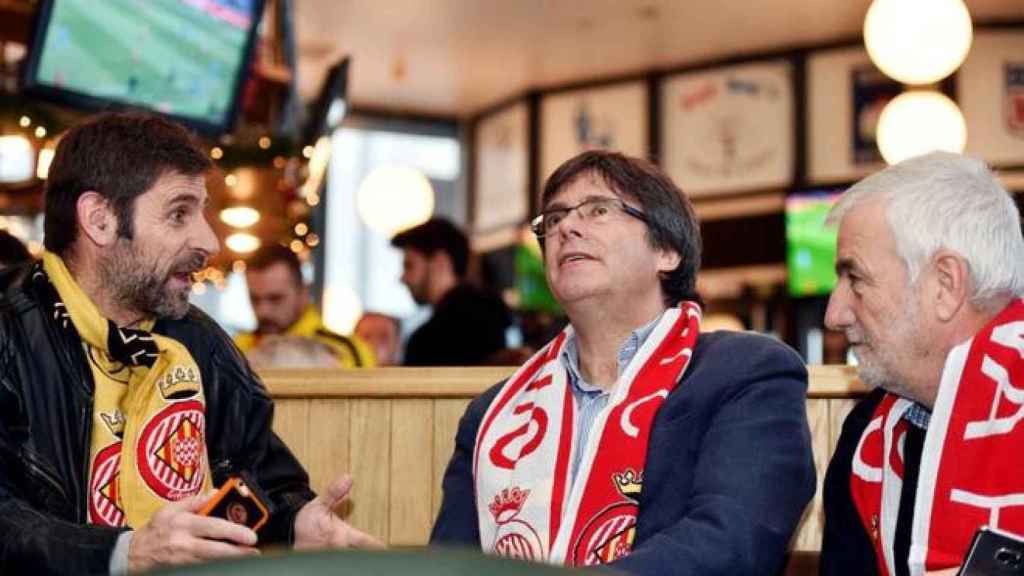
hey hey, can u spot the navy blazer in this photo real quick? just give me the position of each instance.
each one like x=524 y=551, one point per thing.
x=729 y=467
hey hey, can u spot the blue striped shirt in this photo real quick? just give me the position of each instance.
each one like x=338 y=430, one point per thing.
x=590 y=400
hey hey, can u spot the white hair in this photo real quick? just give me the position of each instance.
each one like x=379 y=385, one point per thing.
x=280 y=351
x=944 y=200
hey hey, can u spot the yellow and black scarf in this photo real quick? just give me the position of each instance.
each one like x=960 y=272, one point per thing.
x=148 y=444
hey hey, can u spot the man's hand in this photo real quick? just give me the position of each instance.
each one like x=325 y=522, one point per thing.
x=177 y=535
x=317 y=526
x=947 y=572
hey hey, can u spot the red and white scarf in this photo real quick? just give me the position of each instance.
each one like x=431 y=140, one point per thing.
x=528 y=505
x=972 y=473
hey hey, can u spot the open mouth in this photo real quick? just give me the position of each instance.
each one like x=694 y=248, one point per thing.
x=184 y=277
x=573 y=258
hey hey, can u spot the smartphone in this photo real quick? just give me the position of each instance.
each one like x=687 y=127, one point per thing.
x=239 y=502
x=994 y=553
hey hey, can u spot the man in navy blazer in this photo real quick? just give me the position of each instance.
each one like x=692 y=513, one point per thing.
x=632 y=439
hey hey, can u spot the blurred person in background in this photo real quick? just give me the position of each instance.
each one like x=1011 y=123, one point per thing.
x=276 y=351
x=384 y=334
x=468 y=325
x=281 y=302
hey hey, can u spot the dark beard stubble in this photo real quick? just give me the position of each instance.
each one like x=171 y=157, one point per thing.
x=138 y=286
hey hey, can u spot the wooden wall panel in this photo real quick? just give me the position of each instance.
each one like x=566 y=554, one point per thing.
x=808 y=536
x=291 y=422
x=393 y=429
x=446 y=423
x=838 y=410
x=412 y=469
x=370 y=465
x=329 y=443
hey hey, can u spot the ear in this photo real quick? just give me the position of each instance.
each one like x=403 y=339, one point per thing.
x=950 y=284
x=95 y=216
x=668 y=260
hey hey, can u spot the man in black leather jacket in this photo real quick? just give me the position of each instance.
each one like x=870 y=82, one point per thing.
x=124 y=213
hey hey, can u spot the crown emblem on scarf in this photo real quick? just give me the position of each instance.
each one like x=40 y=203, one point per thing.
x=179 y=382
x=115 y=422
x=629 y=483
x=507 y=503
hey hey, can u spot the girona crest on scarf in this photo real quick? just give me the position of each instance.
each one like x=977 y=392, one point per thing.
x=528 y=507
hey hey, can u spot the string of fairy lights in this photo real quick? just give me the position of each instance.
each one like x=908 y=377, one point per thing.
x=244 y=166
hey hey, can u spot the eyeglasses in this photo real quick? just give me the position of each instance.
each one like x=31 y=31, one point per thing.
x=598 y=209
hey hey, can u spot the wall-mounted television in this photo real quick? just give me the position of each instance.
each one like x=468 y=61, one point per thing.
x=186 y=59
x=810 y=244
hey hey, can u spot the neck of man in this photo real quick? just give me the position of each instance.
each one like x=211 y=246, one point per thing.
x=84 y=267
x=600 y=331
x=968 y=323
x=440 y=285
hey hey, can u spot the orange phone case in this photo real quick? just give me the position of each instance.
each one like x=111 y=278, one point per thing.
x=235 y=502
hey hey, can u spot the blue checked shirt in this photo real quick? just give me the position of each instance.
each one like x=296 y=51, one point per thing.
x=918 y=416
x=591 y=400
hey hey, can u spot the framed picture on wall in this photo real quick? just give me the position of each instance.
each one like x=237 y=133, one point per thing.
x=502 y=146
x=845 y=96
x=729 y=129
x=990 y=91
x=613 y=117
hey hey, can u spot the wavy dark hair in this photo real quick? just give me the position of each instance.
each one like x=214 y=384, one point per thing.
x=671 y=223
x=120 y=156
x=437 y=235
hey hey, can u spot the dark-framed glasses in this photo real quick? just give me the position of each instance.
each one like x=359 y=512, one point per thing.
x=595 y=209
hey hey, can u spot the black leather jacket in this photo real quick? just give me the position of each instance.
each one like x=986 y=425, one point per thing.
x=46 y=394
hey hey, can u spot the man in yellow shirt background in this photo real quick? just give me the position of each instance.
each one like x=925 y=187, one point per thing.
x=282 y=305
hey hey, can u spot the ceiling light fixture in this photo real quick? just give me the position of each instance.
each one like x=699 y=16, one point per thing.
x=918 y=122
x=242 y=242
x=394 y=198
x=239 y=216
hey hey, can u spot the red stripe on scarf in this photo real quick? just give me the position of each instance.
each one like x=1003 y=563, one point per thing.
x=524 y=379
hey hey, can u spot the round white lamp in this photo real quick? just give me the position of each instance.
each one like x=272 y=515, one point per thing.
x=239 y=216
x=918 y=122
x=394 y=198
x=17 y=158
x=917 y=41
x=242 y=242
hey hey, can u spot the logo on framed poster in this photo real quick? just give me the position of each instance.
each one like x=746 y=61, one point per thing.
x=731 y=108
x=729 y=129
x=1013 y=98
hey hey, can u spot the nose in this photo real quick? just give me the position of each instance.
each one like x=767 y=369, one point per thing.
x=261 y=307
x=206 y=240
x=569 y=225
x=838 y=314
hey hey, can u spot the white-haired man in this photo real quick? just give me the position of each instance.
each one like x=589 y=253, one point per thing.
x=931 y=266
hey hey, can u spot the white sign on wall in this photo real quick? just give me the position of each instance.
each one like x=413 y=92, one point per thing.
x=610 y=117
x=729 y=129
x=502 y=195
